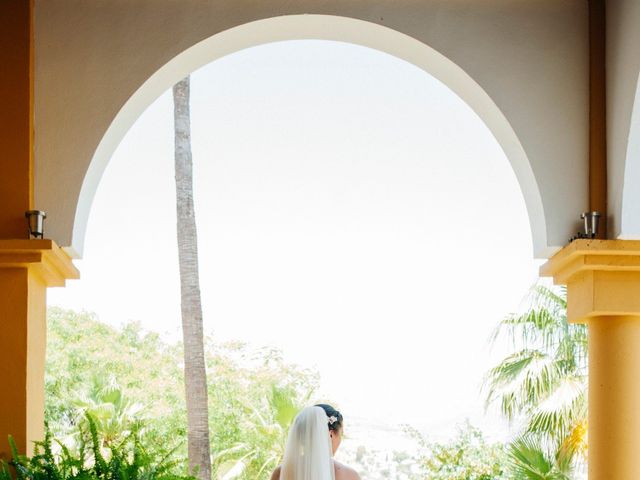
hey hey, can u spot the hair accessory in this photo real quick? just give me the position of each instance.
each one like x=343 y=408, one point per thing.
x=332 y=420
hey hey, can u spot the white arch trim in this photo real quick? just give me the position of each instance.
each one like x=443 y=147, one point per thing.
x=630 y=218
x=320 y=27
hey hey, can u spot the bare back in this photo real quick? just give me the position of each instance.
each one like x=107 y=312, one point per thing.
x=342 y=472
x=345 y=473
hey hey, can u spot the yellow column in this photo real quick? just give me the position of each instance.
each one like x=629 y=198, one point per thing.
x=27 y=268
x=603 y=291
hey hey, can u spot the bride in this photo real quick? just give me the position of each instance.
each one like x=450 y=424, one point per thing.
x=314 y=437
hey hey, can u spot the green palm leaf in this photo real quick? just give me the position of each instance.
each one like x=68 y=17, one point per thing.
x=544 y=379
x=531 y=460
x=560 y=412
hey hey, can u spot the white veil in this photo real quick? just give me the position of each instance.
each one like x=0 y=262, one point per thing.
x=307 y=455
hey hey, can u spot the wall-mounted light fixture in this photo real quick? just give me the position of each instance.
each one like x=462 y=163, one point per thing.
x=591 y=221
x=35 y=220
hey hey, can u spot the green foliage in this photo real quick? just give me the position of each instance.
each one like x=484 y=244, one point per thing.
x=114 y=414
x=543 y=381
x=125 y=460
x=253 y=397
x=264 y=425
x=5 y=473
x=130 y=383
x=467 y=456
x=117 y=374
x=532 y=461
x=85 y=356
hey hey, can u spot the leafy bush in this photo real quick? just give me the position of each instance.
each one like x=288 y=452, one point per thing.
x=91 y=458
x=468 y=456
x=130 y=382
x=125 y=375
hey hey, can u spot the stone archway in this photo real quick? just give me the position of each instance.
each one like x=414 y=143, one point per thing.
x=323 y=27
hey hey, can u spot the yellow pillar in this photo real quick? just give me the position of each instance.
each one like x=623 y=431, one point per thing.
x=603 y=291
x=27 y=267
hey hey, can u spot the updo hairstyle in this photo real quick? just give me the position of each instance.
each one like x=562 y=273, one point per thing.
x=332 y=412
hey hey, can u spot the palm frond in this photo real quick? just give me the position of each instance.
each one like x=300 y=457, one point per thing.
x=548 y=351
x=558 y=414
x=530 y=459
x=522 y=380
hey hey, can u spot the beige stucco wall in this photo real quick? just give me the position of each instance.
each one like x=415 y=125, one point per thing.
x=529 y=56
x=623 y=126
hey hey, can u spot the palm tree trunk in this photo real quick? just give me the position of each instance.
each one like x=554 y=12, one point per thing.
x=195 y=375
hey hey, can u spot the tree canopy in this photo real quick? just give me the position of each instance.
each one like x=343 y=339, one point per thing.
x=123 y=375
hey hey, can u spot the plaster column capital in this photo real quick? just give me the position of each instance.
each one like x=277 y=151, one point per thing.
x=602 y=278
x=41 y=257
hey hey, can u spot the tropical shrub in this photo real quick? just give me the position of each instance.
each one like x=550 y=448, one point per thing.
x=91 y=458
x=468 y=456
x=123 y=376
x=130 y=382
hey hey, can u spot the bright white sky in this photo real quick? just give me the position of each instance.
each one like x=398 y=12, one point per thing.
x=351 y=210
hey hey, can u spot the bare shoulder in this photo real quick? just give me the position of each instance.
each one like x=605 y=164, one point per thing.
x=276 y=474
x=343 y=472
